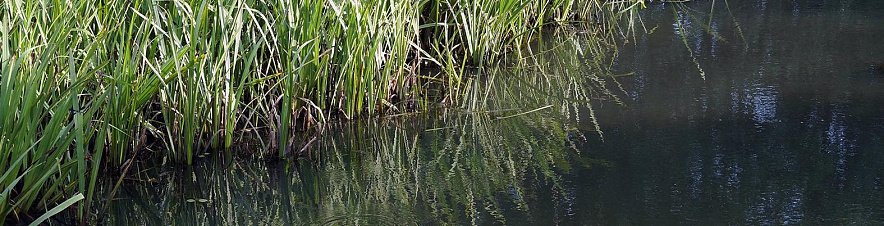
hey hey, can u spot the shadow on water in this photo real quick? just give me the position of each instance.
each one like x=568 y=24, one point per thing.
x=748 y=112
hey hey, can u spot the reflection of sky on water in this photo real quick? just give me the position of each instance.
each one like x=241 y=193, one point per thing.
x=786 y=128
x=777 y=207
x=839 y=144
x=763 y=102
x=836 y=136
x=759 y=101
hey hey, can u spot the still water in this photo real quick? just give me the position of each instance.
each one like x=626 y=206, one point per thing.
x=712 y=113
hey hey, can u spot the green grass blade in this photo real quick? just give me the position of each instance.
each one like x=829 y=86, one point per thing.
x=57 y=209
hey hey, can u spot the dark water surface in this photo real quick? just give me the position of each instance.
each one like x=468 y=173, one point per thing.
x=745 y=113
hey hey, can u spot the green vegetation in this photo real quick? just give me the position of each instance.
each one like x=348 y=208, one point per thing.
x=462 y=165
x=87 y=84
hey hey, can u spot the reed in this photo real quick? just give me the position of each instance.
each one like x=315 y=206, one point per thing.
x=474 y=163
x=93 y=82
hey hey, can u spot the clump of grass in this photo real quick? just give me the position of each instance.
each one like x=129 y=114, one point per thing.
x=92 y=82
x=469 y=164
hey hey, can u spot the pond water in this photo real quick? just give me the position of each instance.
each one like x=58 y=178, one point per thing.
x=722 y=113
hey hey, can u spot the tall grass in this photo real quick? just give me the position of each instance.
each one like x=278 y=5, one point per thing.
x=497 y=153
x=93 y=82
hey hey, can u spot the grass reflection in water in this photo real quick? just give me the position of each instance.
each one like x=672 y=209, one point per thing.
x=484 y=161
